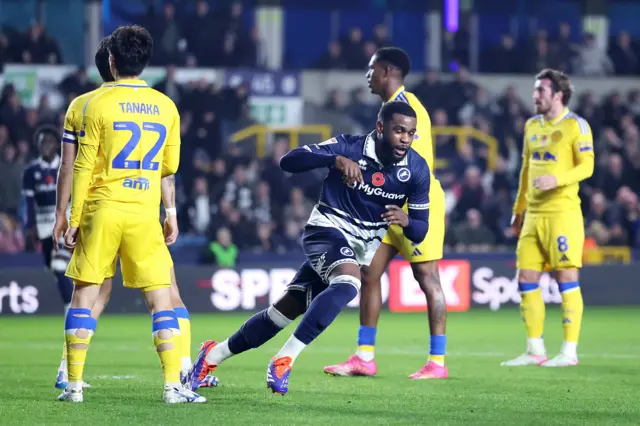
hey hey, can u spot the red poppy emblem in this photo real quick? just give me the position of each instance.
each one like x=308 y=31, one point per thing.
x=377 y=179
x=48 y=180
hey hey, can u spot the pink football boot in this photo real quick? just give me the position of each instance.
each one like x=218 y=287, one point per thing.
x=354 y=366
x=431 y=371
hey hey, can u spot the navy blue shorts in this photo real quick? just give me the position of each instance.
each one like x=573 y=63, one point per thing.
x=325 y=249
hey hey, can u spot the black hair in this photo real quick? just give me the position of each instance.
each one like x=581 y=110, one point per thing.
x=395 y=107
x=42 y=131
x=396 y=57
x=131 y=47
x=102 y=60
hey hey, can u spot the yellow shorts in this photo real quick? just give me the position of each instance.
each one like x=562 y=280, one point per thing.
x=106 y=233
x=431 y=248
x=556 y=241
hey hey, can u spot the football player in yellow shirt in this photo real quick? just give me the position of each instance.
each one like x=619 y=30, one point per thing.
x=387 y=70
x=557 y=155
x=129 y=141
x=72 y=125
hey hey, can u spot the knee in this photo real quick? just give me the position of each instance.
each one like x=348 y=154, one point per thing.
x=427 y=275
x=348 y=282
x=528 y=276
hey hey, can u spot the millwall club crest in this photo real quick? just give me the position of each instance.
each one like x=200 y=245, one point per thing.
x=404 y=174
x=362 y=163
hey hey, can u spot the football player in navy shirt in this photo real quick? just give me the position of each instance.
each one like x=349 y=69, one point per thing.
x=39 y=191
x=370 y=178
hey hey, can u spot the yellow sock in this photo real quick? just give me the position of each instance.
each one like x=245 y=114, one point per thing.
x=185 y=337
x=532 y=309
x=79 y=327
x=438 y=359
x=166 y=338
x=572 y=308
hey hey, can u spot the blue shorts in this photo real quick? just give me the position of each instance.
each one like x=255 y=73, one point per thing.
x=325 y=249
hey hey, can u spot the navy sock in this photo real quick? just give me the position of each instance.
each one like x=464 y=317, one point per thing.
x=255 y=332
x=323 y=310
x=65 y=287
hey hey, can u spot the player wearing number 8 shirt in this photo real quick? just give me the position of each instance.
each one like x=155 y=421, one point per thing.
x=129 y=141
x=557 y=155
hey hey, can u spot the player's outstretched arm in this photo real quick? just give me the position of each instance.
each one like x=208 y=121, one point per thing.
x=168 y=188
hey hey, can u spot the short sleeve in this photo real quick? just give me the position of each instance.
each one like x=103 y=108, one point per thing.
x=91 y=129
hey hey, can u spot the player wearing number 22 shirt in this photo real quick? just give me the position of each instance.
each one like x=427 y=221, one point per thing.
x=125 y=129
x=370 y=178
x=129 y=140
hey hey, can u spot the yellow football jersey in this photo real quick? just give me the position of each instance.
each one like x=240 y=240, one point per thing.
x=423 y=140
x=73 y=117
x=130 y=139
x=563 y=148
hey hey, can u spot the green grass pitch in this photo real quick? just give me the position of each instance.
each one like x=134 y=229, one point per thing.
x=125 y=374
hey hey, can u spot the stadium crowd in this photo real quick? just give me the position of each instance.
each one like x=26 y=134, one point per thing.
x=235 y=200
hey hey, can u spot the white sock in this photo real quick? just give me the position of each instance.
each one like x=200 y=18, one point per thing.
x=63 y=366
x=186 y=363
x=570 y=349
x=219 y=353
x=366 y=356
x=292 y=349
x=535 y=346
x=77 y=386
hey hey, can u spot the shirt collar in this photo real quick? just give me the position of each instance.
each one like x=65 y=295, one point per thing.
x=54 y=164
x=558 y=119
x=369 y=150
x=398 y=94
x=110 y=84
x=131 y=83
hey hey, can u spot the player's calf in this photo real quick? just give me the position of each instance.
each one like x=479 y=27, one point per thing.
x=344 y=284
x=532 y=310
x=79 y=328
x=428 y=277
x=255 y=332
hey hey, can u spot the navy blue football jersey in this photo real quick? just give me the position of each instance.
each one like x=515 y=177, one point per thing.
x=357 y=211
x=39 y=189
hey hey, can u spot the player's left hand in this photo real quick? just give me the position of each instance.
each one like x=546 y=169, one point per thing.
x=395 y=216
x=545 y=183
x=71 y=237
x=171 y=230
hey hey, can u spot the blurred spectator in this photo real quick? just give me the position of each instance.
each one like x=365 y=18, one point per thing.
x=333 y=58
x=352 y=48
x=603 y=222
x=199 y=207
x=76 y=84
x=38 y=47
x=471 y=194
x=592 y=59
x=472 y=235
x=298 y=210
x=11 y=180
x=624 y=58
x=169 y=86
x=223 y=251
x=11 y=237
